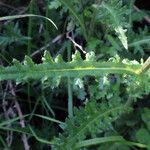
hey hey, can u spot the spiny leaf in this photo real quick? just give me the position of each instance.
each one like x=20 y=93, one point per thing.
x=121 y=35
x=115 y=15
x=94 y=118
x=71 y=8
x=76 y=57
x=76 y=68
x=47 y=58
x=90 y=56
x=59 y=59
x=139 y=40
x=17 y=64
x=28 y=61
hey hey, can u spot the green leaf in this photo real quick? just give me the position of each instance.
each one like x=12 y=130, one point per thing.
x=7 y=122
x=47 y=58
x=143 y=136
x=26 y=15
x=70 y=6
x=91 y=120
x=110 y=139
x=98 y=141
x=76 y=68
x=146 y=117
x=121 y=35
x=116 y=12
x=39 y=138
x=54 y=4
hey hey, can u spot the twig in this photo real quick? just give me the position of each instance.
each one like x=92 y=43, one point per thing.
x=147 y=18
x=22 y=11
x=57 y=38
x=9 y=138
x=145 y=66
x=22 y=122
x=6 y=5
x=75 y=44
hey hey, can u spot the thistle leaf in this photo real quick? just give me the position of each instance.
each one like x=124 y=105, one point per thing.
x=114 y=13
x=17 y=64
x=76 y=68
x=76 y=57
x=59 y=59
x=94 y=118
x=28 y=61
x=47 y=58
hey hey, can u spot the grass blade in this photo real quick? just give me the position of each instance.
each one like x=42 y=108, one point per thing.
x=49 y=119
x=7 y=122
x=118 y=139
x=40 y=139
x=24 y=16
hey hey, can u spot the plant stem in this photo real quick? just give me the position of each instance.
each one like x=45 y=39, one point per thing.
x=30 y=27
x=29 y=45
x=84 y=31
x=130 y=14
x=92 y=23
x=145 y=66
x=46 y=24
x=70 y=97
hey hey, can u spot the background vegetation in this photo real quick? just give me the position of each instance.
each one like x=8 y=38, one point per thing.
x=105 y=110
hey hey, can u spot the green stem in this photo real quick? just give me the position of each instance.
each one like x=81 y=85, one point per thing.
x=46 y=24
x=70 y=97
x=92 y=23
x=130 y=14
x=84 y=23
x=29 y=46
x=30 y=27
x=3 y=143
